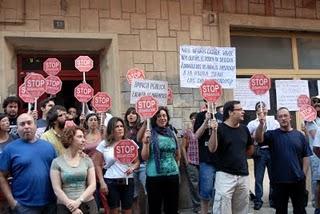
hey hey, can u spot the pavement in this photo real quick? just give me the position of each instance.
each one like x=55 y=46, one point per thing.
x=263 y=210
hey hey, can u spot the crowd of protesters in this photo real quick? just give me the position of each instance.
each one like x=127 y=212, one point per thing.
x=64 y=161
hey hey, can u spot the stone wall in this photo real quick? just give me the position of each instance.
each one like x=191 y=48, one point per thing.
x=309 y=9
x=149 y=32
x=149 y=35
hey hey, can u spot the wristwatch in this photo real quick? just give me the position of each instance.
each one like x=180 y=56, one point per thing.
x=81 y=200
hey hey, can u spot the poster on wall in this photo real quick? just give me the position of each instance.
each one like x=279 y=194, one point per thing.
x=155 y=88
x=199 y=63
x=288 y=92
x=247 y=98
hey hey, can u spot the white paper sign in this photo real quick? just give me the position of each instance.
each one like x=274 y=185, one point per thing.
x=288 y=92
x=155 y=88
x=247 y=98
x=198 y=63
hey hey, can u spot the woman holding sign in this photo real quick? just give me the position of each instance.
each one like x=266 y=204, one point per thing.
x=160 y=150
x=117 y=182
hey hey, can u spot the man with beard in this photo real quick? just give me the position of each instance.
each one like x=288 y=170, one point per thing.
x=11 y=107
x=289 y=153
x=56 y=118
x=28 y=161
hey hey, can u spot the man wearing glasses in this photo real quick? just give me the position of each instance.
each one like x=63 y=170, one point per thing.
x=231 y=142
x=56 y=118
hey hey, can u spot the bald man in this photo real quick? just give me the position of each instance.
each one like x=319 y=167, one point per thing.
x=28 y=161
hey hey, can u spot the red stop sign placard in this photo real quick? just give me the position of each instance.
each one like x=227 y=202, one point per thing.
x=101 y=102
x=35 y=85
x=303 y=100
x=125 y=151
x=83 y=63
x=53 y=84
x=83 y=92
x=308 y=113
x=259 y=84
x=52 y=66
x=135 y=73
x=146 y=106
x=24 y=95
x=210 y=90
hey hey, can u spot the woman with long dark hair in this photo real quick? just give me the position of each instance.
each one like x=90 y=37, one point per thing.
x=117 y=181
x=161 y=151
x=133 y=124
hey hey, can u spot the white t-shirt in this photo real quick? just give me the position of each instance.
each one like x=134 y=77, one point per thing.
x=316 y=141
x=114 y=168
x=271 y=124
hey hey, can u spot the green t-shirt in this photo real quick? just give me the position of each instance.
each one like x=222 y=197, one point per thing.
x=73 y=179
x=168 y=164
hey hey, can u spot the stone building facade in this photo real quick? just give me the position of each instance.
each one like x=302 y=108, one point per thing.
x=140 y=33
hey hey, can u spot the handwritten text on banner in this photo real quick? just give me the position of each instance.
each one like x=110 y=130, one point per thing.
x=155 y=88
x=198 y=63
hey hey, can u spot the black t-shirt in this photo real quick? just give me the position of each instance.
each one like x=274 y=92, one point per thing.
x=232 y=149
x=204 y=153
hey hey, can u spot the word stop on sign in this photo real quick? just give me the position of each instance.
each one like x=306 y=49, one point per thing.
x=256 y=82
x=101 y=100
x=125 y=149
x=142 y=104
x=210 y=88
x=84 y=91
x=35 y=83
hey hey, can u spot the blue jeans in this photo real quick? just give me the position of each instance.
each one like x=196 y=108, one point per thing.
x=207 y=175
x=261 y=161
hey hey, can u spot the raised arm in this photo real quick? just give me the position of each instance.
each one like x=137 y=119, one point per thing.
x=145 y=153
x=213 y=140
x=260 y=129
x=141 y=131
x=199 y=131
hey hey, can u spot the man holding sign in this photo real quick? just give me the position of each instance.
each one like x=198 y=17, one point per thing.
x=231 y=143
x=290 y=151
x=261 y=156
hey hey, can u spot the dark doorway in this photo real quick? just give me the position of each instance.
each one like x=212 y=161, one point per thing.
x=69 y=75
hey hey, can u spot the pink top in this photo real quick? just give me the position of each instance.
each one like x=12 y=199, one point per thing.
x=90 y=148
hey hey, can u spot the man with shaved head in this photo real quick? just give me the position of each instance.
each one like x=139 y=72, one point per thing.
x=28 y=161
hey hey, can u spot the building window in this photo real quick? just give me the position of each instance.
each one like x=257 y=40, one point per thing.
x=263 y=52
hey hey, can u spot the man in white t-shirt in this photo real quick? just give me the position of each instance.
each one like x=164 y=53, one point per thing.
x=261 y=159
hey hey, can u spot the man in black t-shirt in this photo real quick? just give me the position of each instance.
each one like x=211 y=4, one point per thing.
x=231 y=142
x=206 y=168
